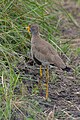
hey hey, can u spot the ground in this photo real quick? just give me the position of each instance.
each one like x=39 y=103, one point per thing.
x=64 y=88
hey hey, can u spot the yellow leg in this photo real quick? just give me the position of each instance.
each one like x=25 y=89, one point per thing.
x=47 y=80
x=39 y=84
x=40 y=71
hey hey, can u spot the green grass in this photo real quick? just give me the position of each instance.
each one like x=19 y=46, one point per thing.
x=15 y=15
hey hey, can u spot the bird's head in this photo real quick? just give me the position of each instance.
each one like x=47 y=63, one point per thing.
x=34 y=29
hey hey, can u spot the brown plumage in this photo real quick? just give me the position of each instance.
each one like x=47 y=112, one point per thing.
x=44 y=54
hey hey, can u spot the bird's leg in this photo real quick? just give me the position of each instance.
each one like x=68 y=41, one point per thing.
x=40 y=80
x=47 y=80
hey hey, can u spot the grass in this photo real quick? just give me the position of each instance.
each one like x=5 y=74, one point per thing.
x=14 y=46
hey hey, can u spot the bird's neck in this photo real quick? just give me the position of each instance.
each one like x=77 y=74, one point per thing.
x=35 y=36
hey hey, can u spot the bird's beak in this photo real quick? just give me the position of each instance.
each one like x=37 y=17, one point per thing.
x=28 y=29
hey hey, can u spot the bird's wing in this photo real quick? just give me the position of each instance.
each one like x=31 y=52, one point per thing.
x=40 y=53
x=44 y=52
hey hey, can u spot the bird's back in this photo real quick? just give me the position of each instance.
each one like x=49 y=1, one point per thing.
x=45 y=53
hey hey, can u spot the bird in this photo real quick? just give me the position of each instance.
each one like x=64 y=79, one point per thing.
x=43 y=53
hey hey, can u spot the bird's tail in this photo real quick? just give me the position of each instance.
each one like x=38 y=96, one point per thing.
x=68 y=69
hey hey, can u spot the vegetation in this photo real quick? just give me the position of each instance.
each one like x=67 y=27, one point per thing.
x=15 y=100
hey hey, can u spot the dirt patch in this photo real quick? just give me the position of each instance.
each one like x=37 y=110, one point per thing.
x=64 y=91
x=70 y=22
